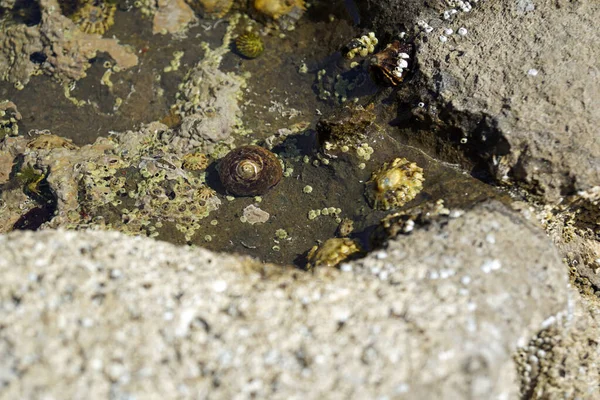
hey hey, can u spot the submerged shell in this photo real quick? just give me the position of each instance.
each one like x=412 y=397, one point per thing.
x=249 y=45
x=394 y=184
x=277 y=8
x=211 y=8
x=249 y=171
x=95 y=16
x=332 y=252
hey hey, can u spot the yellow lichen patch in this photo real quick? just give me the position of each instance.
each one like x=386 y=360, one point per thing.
x=94 y=16
x=394 y=184
x=212 y=8
x=47 y=142
x=195 y=161
x=276 y=8
x=331 y=252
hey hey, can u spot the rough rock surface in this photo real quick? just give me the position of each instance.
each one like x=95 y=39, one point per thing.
x=66 y=49
x=563 y=360
x=521 y=87
x=437 y=314
x=172 y=17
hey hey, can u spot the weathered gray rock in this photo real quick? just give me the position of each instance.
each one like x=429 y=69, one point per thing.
x=521 y=87
x=437 y=314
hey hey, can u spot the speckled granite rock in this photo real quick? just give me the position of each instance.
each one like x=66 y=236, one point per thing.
x=437 y=314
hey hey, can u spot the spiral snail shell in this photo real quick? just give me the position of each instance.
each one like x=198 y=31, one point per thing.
x=249 y=171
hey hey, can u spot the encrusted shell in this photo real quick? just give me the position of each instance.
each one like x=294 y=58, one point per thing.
x=249 y=45
x=277 y=8
x=48 y=142
x=390 y=65
x=331 y=252
x=249 y=171
x=394 y=184
x=211 y=8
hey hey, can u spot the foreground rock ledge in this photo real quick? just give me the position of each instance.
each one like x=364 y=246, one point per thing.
x=438 y=314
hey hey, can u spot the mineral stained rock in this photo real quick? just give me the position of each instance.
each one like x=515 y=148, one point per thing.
x=440 y=314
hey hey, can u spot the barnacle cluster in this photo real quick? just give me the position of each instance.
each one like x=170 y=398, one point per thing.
x=146 y=191
x=362 y=46
x=207 y=103
x=394 y=184
x=94 y=16
x=195 y=161
x=249 y=45
x=146 y=7
x=9 y=118
x=390 y=64
x=332 y=252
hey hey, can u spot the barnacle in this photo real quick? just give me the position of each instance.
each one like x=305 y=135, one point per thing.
x=195 y=161
x=249 y=45
x=205 y=193
x=394 y=184
x=332 y=252
x=249 y=171
x=94 y=16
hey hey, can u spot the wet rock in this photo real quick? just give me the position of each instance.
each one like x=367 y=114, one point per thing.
x=64 y=49
x=255 y=215
x=172 y=17
x=389 y=17
x=441 y=312
x=519 y=92
x=208 y=102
